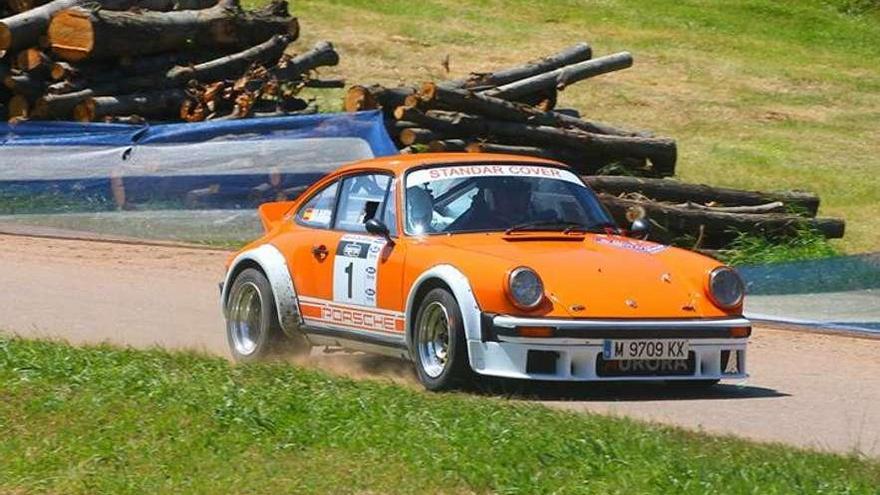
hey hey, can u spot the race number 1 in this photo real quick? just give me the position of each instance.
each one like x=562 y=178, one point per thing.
x=355 y=269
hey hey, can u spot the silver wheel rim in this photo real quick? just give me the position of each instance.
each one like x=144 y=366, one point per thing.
x=246 y=318
x=433 y=339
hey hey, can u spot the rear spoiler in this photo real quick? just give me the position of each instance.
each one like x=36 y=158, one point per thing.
x=271 y=214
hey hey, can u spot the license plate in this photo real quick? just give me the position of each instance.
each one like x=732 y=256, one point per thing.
x=626 y=350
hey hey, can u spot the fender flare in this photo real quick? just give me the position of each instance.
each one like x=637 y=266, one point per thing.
x=274 y=266
x=464 y=295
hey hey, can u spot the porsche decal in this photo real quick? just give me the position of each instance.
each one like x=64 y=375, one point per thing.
x=322 y=312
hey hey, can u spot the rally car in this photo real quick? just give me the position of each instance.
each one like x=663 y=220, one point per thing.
x=481 y=264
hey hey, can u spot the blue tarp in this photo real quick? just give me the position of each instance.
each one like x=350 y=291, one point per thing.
x=72 y=167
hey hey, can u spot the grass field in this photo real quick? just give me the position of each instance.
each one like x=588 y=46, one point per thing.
x=103 y=420
x=763 y=94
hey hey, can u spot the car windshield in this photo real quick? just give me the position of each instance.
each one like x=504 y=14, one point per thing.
x=487 y=198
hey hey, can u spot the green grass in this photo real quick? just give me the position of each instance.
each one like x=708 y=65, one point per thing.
x=760 y=94
x=104 y=420
x=756 y=250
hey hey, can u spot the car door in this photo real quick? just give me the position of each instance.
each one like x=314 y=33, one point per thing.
x=354 y=275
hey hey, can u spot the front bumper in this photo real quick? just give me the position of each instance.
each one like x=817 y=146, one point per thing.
x=575 y=351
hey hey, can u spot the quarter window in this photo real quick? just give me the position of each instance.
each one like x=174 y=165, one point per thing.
x=318 y=211
x=360 y=200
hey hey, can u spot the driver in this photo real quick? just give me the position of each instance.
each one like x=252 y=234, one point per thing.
x=501 y=203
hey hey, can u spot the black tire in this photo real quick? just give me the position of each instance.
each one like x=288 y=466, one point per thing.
x=694 y=385
x=260 y=337
x=456 y=369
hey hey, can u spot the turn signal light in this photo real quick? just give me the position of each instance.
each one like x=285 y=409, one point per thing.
x=535 y=331
x=740 y=332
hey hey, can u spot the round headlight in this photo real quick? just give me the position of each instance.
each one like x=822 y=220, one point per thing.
x=525 y=288
x=726 y=288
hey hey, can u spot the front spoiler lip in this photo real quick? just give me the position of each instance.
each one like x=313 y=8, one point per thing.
x=496 y=327
x=505 y=321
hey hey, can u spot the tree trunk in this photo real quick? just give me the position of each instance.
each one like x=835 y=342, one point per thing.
x=673 y=191
x=19 y=108
x=717 y=229
x=25 y=85
x=437 y=96
x=579 y=161
x=574 y=54
x=60 y=106
x=232 y=66
x=447 y=145
x=370 y=98
x=322 y=55
x=152 y=104
x=23 y=30
x=409 y=137
x=660 y=151
x=325 y=83
x=77 y=34
x=562 y=77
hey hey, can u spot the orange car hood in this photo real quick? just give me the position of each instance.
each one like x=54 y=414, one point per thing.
x=590 y=276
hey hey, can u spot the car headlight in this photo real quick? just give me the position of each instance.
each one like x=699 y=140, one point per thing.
x=726 y=288
x=524 y=288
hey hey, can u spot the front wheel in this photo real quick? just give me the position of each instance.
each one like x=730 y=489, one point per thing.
x=440 y=349
x=252 y=326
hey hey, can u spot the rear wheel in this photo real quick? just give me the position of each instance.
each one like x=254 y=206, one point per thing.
x=252 y=326
x=440 y=348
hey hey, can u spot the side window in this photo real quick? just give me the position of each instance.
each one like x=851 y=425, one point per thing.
x=318 y=211
x=360 y=200
x=389 y=216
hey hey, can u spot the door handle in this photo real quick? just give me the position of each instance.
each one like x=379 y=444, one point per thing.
x=320 y=251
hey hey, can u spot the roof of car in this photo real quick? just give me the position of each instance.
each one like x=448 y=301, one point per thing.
x=401 y=163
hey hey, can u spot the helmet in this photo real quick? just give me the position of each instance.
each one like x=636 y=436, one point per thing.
x=419 y=210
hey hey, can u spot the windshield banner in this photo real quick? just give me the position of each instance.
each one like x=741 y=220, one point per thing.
x=490 y=170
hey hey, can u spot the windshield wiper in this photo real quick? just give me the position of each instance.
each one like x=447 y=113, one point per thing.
x=548 y=225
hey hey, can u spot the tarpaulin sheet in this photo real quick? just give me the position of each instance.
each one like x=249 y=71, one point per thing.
x=84 y=176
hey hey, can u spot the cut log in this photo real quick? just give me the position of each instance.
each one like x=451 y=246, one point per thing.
x=716 y=229
x=437 y=96
x=574 y=54
x=409 y=137
x=660 y=151
x=370 y=98
x=152 y=104
x=672 y=191
x=23 y=30
x=774 y=207
x=25 y=85
x=325 y=83
x=63 y=70
x=78 y=34
x=581 y=162
x=33 y=60
x=232 y=66
x=19 y=6
x=562 y=77
x=447 y=145
x=19 y=108
x=60 y=106
x=322 y=55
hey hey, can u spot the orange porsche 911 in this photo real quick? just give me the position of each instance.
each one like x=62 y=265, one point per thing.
x=479 y=264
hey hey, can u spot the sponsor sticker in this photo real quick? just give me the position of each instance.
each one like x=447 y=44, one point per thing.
x=458 y=171
x=632 y=245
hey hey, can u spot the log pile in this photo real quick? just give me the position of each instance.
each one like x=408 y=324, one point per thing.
x=168 y=60
x=709 y=218
x=514 y=111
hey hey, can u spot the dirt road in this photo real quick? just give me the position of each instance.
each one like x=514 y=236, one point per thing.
x=811 y=390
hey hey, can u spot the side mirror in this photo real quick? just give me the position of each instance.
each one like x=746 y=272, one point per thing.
x=640 y=228
x=376 y=227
